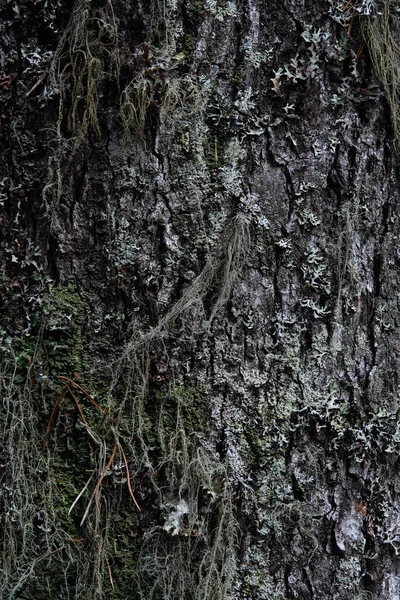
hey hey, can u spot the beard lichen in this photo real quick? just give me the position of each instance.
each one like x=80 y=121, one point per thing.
x=381 y=33
x=87 y=54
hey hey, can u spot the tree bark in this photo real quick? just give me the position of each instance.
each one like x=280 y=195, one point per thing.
x=200 y=294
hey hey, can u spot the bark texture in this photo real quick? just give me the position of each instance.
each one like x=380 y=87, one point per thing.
x=200 y=300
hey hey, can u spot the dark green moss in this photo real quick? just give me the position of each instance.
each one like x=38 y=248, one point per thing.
x=196 y=8
x=179 y=407
x=189 y=45
x=63 y=340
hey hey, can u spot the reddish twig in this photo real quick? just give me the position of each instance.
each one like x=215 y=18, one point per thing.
x=352 y=19
x=359 y=51
x=110 y=573
x=61 y=396
x=77 y=405
x=347 y=5
x=49 y=554
x=128 y=480
x=81 y=389
x=43 y=77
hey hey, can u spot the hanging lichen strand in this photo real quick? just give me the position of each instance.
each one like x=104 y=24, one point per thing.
x=196 y=559
x=86 y=62
x=86 y=56
x=381 y=32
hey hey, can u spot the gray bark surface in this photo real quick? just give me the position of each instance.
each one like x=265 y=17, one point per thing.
x=200 y=299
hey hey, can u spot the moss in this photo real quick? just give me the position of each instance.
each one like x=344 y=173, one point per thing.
x=189 y=45
x=193 y=404
x=63 y=340
x=24 y=349
x=238 y=78
x=196 y=9
x=69 y=468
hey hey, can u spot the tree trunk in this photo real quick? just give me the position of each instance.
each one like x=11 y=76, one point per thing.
x=201 y=314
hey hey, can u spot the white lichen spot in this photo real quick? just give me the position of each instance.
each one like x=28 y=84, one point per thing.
x=174 y=524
